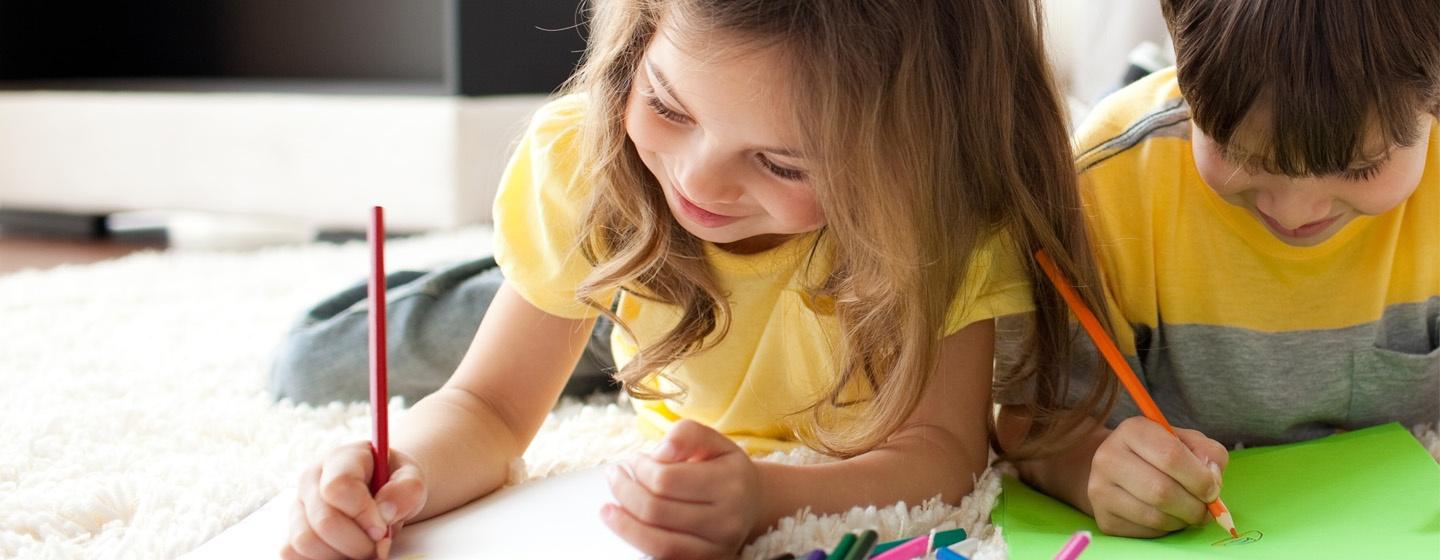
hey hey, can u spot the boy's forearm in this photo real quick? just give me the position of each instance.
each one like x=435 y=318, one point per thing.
x=1063 y=473
x=462 y=445
x=913 y=466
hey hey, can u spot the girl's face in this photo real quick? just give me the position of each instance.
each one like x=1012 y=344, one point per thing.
x=715 y=132
x=1305 y=211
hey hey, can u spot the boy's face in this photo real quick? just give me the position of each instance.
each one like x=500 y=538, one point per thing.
x=1305 y=211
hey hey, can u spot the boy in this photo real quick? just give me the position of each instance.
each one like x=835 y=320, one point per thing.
x=1267 y=215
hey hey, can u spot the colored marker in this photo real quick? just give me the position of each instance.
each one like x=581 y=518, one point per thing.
x=943 y=553
x=1121 y=368
x=913 y=548
x=843 y=547
x=817 y=554
x=380 y=423
x=863 y=546
x=1072 y=549
x=942 y=539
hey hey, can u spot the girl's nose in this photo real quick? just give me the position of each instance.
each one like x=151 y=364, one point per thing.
x=708 y=179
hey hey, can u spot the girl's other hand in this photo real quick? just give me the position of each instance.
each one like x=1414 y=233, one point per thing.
x=696 y=496
x=1145 y=483
x=336 y=517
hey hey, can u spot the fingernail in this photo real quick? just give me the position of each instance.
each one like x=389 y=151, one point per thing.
x=665 y=452
x=387 y=512
x=1215 y=491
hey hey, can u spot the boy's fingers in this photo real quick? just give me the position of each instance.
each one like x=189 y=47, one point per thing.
x=1171 y=456
x=1208 y=450
x=1156 y=490
x=1125 y=505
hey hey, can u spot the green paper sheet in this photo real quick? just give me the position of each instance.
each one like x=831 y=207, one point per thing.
x=1373 y=493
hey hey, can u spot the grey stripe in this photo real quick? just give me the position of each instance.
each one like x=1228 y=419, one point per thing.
x=1171 y=120
x=1260 y=388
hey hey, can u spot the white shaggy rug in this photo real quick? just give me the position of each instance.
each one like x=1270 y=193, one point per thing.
x=134 y=421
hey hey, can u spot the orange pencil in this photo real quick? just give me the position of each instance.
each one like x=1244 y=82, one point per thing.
x=1121 y=367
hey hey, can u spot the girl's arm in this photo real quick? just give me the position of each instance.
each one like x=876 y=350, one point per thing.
x=941 y=448
x=464 y=436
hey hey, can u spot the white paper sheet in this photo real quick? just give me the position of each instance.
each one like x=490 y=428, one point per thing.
x=557 y=517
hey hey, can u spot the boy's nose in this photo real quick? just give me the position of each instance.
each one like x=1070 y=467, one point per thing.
x=1294 y=206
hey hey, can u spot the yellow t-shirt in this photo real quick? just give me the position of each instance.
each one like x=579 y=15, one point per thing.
x=783 y=347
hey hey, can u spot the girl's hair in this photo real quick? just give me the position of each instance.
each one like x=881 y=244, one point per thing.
x=1330 y=73
x=935 y=124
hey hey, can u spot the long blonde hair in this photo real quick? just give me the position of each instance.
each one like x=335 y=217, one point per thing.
x=936 y=125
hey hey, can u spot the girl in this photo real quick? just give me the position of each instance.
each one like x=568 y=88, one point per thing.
x=803 y=217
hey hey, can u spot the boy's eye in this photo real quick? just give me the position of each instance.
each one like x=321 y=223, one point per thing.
x=665 y=112
x=785 y=173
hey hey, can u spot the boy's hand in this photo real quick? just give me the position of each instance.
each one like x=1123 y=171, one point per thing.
x=696 y=496
x=335 y=516
x=1146 y=483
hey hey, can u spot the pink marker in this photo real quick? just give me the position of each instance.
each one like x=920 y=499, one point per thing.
x=913 y=548
x=1072 y=549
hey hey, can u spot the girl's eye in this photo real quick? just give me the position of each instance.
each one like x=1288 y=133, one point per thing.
x=1359 y=175
x=785 y=173
x=665 y=112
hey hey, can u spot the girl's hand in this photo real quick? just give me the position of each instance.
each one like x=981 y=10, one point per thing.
x=696 y=496
x=335 y=516
x=1145 y=483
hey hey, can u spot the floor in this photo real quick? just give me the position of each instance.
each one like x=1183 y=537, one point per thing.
x=21 y=251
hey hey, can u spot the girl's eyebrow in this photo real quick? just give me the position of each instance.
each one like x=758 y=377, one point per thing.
x=665 y=85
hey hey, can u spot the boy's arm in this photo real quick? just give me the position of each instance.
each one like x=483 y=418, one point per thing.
x=465 y=435
x=1063 y=473
x=940 y=449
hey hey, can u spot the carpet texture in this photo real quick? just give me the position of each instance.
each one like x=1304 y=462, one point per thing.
x=136 y=424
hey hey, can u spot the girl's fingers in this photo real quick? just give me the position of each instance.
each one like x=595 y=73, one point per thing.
x=657 y=511
x=304 y=543
x=344 y=486
x=657 y=542
x=1124 y=505
x=335 y=529
x=686 y=482
x=403 y=496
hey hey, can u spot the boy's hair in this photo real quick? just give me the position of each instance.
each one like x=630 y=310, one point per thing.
x=1330 y=74
x=936 y=124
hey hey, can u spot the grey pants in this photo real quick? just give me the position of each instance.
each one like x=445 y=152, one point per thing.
x=431 y=317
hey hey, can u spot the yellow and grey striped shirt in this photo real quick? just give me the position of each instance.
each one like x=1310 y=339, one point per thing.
x=1234 y=332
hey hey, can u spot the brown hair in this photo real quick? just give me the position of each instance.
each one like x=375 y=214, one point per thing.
x=937 y=125
x=1328 y=74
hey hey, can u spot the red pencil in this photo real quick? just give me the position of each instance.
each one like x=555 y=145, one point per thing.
x=1121 y=367
x=380 y=429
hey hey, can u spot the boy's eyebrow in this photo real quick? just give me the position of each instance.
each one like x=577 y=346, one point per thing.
x=665 y=85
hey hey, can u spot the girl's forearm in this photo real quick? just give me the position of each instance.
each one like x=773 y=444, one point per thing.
x=462 y=445
x=914 y=465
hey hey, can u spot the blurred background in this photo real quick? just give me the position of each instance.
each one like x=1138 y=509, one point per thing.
x=234 y=124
